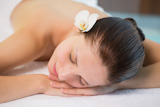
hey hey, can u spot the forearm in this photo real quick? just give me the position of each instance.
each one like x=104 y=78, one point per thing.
x=148 y=77
x=15 y=87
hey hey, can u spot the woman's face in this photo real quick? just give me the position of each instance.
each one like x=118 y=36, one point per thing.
x=77 y=64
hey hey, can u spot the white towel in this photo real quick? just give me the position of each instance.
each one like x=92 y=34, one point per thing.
x=121 y=98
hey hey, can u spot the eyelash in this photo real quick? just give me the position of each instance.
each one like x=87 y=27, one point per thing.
x=80 y=80
x=71 y=59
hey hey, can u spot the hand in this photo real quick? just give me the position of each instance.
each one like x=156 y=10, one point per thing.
x=56 y=83
x=89 y=91
x=53 y=87
x=99 y=90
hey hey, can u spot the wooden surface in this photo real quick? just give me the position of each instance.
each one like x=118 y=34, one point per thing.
x=131 y=6
x=150 y=7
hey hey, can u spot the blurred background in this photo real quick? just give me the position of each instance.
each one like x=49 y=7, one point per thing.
x=145 y=12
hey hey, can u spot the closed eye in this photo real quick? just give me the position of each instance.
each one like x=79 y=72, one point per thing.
x=82 y=81
x=70 y=57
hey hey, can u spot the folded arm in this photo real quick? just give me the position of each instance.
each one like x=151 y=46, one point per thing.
x=15 y=87
x=149 y=75
x=20 y=48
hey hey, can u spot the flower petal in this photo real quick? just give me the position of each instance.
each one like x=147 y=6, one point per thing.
x=78 y=26
x=91 y=21
x=82 y=15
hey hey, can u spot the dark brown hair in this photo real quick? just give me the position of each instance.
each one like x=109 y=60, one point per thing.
x=120 y=46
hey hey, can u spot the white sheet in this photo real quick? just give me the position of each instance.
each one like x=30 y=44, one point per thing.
x=122 y=98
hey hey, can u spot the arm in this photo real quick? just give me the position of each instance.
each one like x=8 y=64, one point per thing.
x=148 y=77
x=15 y=87
x=152 y=52
x=21 y=47
x=18 y=49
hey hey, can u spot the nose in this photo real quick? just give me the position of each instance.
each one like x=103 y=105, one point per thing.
x=66 y=74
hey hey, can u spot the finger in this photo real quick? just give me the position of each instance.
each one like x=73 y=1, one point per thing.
x=56 y=92
x=56 y=84
x=76 y=91
x=52 y=77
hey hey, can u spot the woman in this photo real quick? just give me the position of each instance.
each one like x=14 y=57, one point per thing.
x=99 y=61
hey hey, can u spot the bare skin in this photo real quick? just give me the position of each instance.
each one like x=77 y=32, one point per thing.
x=41 y=21
x=39 y=26
x=48 y=20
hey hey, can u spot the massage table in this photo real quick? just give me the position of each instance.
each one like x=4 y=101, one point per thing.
x=119 y=98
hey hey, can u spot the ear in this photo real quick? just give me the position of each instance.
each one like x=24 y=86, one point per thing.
x=75 y=29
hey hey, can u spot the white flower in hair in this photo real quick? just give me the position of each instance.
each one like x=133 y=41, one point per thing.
x=85 y=21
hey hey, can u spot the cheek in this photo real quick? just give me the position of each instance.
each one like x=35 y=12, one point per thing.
x=59 y=54
x=62 y=54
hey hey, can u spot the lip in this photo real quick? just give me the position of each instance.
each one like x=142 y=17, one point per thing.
x=54 y=70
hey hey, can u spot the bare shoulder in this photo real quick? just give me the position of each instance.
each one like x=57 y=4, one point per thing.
x=152 y=52
x=20 y=48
